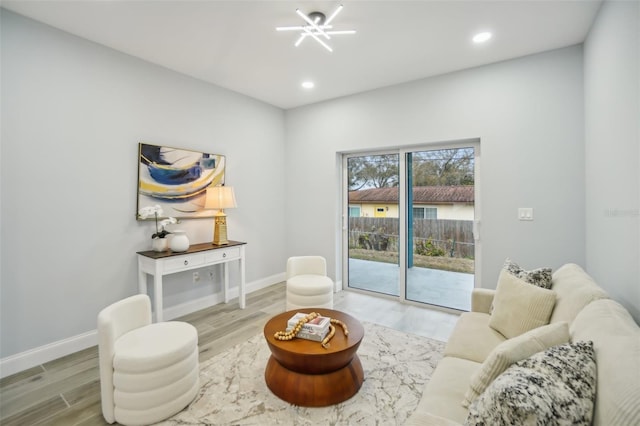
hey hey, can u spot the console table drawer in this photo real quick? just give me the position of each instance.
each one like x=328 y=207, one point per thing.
x=183 y=262
x=225 y=254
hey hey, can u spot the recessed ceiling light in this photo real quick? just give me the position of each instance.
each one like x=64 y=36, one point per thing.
x=481 y=37
x=308 y=84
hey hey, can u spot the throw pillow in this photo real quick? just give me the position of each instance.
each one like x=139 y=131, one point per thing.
x=540 y=277
x=514 y=350
x=519 y=307
x=554 y=387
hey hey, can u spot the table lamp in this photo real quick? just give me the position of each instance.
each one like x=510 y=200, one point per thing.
x=220 y=198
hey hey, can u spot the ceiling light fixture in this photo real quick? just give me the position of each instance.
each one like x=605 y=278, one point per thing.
x=308 y=84
x=317 y=26
x=481 y=37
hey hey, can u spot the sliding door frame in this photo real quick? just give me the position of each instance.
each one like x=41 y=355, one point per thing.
x=402 y=152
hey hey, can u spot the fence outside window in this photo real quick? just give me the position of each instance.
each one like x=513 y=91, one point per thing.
x=452 y=238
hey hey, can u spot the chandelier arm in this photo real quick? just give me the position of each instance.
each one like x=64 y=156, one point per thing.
x=326 y=46
x=333 y=15
x=301 y=39
x=312 y=23
x=301 y=28
x=340 y=32
x=296 y=28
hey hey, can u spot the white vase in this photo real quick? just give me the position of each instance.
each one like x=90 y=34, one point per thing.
x=179 y=241
x=159 y=244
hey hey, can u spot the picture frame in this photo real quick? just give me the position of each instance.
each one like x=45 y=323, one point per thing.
x=177 y=179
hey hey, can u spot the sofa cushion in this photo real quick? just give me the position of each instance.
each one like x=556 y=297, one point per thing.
x=445 y=390
x=616 y=340
x=519 y=306
x=556 y=387
x=514 y=350
x=574 y=290
x=540 y=277
x=472 y=338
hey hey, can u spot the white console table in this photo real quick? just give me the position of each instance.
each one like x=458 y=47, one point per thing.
x=197 y=256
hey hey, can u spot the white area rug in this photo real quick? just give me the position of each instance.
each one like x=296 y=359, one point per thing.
x=233 y=392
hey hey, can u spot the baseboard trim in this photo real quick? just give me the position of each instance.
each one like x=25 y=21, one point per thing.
x=214 y=299
x=24 y=360
x=42 y=354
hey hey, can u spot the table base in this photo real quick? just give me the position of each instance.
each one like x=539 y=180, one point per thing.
x=314 y=390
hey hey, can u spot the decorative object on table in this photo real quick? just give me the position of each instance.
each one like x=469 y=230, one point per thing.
x=159 y=240
x=315 y=329
x=160 y=244
x=302 y=325
x=177 y=179
x=179 y=241
x=220 y=198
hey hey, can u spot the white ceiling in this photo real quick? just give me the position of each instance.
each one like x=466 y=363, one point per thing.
x=234 y=44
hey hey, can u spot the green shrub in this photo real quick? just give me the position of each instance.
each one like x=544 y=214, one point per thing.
x=428 y=248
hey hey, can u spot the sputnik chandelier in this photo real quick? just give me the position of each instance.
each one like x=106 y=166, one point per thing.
x=318 y=26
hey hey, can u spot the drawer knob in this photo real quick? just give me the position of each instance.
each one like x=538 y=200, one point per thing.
x=224 y=254
x=186 y=262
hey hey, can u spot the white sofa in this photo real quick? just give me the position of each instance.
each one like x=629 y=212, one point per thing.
x=591 y=315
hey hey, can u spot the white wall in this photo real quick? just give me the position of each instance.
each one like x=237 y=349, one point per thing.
x=528 y=115
x=612 y=143
x=73 y=113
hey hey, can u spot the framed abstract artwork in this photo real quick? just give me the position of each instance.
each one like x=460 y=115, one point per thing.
x=176 y=179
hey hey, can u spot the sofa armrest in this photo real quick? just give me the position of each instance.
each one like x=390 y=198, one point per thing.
x=481 y=299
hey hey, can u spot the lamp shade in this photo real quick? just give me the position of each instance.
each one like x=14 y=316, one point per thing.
x=219 y=198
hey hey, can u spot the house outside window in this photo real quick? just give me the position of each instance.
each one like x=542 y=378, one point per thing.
x=380 y=211
x=425 y=213
x=354 y=211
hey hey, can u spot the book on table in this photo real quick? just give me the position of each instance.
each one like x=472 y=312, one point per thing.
x=315 y=329
x=311 y=336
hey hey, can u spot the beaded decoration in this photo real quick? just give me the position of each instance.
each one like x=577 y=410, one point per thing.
x=289 y=335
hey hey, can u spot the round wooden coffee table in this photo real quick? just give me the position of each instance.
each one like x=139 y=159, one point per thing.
x=304 y=373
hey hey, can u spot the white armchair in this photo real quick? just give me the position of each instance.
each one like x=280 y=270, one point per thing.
x=148 y=372
x=307 y=283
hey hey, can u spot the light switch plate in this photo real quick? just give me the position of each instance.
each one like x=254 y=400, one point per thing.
x=525 y=213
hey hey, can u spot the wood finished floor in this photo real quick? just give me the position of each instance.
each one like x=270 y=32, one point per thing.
x=66 y=391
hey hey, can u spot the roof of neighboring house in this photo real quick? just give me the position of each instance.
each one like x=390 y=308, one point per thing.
x=421 y=194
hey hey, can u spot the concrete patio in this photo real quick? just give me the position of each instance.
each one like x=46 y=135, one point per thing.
x=431 y=286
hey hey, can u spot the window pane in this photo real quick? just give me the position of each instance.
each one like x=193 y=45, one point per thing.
x=372 y=184
x=440 y=244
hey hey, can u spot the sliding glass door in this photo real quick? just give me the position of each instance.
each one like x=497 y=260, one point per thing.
x=373 y=226
x=410 y=224
x=440 y=217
